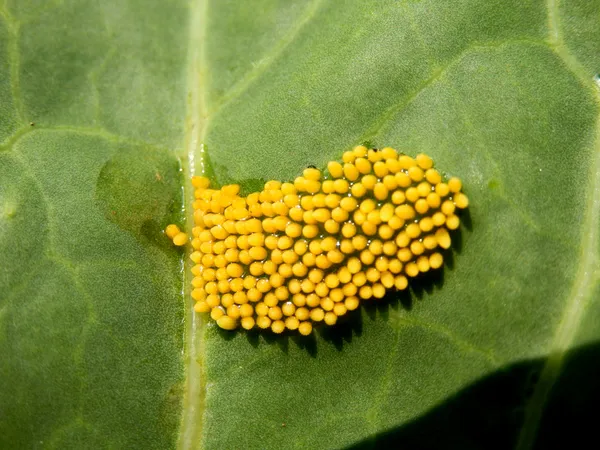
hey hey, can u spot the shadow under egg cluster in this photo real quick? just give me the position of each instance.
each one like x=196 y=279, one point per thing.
x=296 y=254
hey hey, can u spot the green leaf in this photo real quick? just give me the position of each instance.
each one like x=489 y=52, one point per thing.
x=99 y=101
x=90 y=292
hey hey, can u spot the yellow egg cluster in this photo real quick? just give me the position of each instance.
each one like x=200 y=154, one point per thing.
x=296 y=254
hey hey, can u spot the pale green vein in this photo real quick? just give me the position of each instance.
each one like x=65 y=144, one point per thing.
x=19 y=134
x=475 y=131
x=87 y=323
x=26 y=169
x=18 y=289
x=386 y=382
x=528 y=222
x=485 y=150
x=580 y=297
x=466 y=119
x=523 y=214
x=559 y=47
x=385 y=118
x=70 y=269
x=461 y=344
x=52 y=255
x=24 y=282
x=197 y=116
x=554 y=32
x=10 y=141
x=416 y=31
x=190 y=435
x=54 y=440
x=583 y=289
x=267 y=61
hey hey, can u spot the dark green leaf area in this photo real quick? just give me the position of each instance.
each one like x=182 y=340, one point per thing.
x=91 y=363
x=135 y=190
x=23 y=222
x=581 y=31
x=304 y=96
x=322 y=383
x=117 y=65
x=8 y=110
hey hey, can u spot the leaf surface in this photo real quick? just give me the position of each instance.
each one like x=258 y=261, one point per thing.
x=90 y=293
x=103 y=348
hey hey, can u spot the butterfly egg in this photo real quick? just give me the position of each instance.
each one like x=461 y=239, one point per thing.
x=278 y=326
x=180 y=239
x=200 y=182
x=306 y=252
x=292 y=323
x=172 y=230
x=305 y=328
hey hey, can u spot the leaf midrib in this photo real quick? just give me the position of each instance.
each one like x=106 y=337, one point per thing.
x=197 y=118
x=192 y=420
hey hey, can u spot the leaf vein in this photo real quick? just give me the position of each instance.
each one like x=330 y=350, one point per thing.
x=191 y=424
x=585 y=281
x=386 y=383
x=257 y=71
x=83 y=131
x=460 y=343
x=385 y=118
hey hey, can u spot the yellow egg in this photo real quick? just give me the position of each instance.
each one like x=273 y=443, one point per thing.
x=200 y=182
x=351 y=303
x=461 y=201
x=358 y=190
x=201 y=307
x=263 y=322
x=292 y=323
x=304 y=252
x=305 y=328
x=351 y=172
x=278 y=326
x=248 y=323
x=330 y=318
x=317 y=314
x=455 y=185
x=424 y=161
x=436 y=260
x=172 y=230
